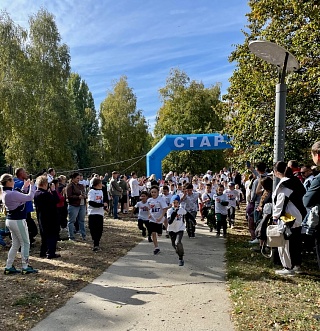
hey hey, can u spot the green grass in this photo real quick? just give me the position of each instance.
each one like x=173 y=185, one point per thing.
x=264 y=301
x=28 y=299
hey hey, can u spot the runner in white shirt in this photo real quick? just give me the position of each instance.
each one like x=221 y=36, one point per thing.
x=157 y=210
x=143 y=214
x=176 y=226
x=232 y=195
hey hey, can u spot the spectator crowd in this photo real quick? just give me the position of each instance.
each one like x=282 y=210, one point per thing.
x=172 y=205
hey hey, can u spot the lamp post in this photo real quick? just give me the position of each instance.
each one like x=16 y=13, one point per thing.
x=286 y=62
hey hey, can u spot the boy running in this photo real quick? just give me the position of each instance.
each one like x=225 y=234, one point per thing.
x=221 y=209
x=176 y=226
x=143 y=214
x=232 y=195
x=157 y=210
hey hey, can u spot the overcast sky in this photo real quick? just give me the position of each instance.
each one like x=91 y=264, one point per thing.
x=143 y=39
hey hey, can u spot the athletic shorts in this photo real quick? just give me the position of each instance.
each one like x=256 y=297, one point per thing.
x=155 y=227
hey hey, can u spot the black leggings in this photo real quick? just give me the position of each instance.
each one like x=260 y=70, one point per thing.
x=144 y=226
x=176 y=238
x=96 y=228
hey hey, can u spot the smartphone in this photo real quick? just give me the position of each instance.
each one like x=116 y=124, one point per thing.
x=248 y=164
x=30 y=177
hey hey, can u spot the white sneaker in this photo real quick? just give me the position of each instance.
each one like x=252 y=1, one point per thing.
x=285 y=272
x=254 y=241
x=297 y=269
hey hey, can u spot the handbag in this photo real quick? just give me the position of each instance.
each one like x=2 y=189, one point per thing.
x=274 y=237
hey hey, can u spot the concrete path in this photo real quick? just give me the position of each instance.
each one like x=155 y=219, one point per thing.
x=141 y=291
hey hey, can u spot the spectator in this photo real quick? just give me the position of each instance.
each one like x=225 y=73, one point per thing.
x=76 y=206
x=116 y=192
x=21 y=177
x=96 y=212
x=134 y=188
x=50 y=175
x=287 y=198
x=46 y=207
x=307 y=175
x=124 y=197
x=14 y=202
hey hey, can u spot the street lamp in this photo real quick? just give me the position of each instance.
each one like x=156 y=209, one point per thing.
x=285 y=61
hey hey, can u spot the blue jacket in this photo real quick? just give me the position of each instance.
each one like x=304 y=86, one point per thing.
x=18 y=183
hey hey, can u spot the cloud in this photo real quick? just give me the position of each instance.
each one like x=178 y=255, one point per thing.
x=143 y=40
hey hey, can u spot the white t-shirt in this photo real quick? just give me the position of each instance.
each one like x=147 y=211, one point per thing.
x=156 y=208
x=166 y=198
x=143 y=210
x=95 y=196
x=50 y=178
x=206 y=196
x=232 y=195
x=191 y=202
x=218 y=207
x=177 y=224
x=134 y=187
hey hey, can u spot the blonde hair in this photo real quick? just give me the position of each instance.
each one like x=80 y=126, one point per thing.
x=5 y=178
x=42 y=181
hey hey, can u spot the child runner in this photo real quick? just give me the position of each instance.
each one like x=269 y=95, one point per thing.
x=208 y=207
x=221 y=209
x=96 y=212
x=201 y=189
x=157 y=210
x=190 y=201
x=232 y=195
x=166 y=195
x=240 y=196
x=176 y=226
x=143 y=214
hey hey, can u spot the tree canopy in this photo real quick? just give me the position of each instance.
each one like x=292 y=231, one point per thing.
x=250 y=101
x=188 y=107
x=34 y=104
x=124 y=129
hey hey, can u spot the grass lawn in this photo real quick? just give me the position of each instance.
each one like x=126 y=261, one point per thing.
x=264 y=301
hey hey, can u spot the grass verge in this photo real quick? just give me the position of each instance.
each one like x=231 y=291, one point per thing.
x=263 y=301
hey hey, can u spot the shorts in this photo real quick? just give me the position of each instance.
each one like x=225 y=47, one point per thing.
x=155 y=227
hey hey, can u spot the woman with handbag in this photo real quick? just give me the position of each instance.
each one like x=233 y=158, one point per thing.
x=287 y=199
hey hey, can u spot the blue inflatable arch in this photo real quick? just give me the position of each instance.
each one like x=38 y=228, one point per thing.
x=181 y=143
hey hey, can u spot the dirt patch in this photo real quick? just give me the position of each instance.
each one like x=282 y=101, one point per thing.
x=26 y=300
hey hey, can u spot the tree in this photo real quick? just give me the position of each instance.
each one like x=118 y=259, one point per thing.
x=35 y=112
x=124 y=129
x=188 y=107
x=86 y=147
x=250 y=104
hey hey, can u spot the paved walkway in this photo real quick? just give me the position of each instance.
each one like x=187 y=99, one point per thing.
x=141 y=291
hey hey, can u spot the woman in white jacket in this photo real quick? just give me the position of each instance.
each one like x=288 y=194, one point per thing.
x=287 y=198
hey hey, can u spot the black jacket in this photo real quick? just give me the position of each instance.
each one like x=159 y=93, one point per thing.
x=46 y=208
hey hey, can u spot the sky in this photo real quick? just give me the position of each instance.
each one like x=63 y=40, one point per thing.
x=143 y=40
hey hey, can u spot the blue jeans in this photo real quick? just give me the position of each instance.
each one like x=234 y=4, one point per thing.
x=74 y=213
x=115 y=205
